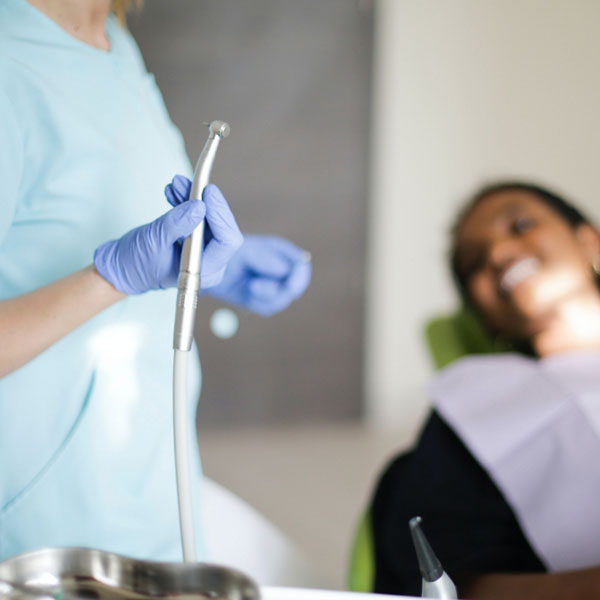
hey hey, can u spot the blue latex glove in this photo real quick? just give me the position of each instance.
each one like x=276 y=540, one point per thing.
x=265 y=275
x=148 y=257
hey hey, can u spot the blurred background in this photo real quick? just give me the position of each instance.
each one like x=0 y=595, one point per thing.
x=358 y=129
x=293 y=81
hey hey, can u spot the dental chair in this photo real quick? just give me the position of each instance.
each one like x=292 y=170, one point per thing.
x=448 y=338
x=238 y=536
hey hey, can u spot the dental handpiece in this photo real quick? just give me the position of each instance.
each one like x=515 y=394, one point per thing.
x=188 y=284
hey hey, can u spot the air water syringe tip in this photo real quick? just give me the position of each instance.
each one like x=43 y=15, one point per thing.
x=429 y=565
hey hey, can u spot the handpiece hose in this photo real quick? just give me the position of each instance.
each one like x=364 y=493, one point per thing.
x=188 y=286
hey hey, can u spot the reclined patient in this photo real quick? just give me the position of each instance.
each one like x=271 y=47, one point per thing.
x=506 y=474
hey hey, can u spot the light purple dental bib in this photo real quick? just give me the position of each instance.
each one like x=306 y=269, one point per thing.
x=534 y=425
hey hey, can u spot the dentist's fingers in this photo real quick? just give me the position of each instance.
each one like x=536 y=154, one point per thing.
x=269 y=296
x=178 y=190
x=224 y=236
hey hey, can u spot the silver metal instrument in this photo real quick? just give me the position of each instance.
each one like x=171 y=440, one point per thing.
x=69 y=573
x=436 y=582
x=188 y=284
x=17 y=591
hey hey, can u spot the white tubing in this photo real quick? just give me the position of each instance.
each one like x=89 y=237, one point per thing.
x=182 y=455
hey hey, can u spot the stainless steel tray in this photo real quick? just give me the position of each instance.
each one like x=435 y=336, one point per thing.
x=67 y=573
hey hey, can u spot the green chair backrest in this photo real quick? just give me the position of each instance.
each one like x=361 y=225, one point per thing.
x=454 y=336
x=448 y=338
x=361 y=575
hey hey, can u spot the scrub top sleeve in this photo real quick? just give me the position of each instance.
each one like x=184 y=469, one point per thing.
x=11 y=162
x=466 y=519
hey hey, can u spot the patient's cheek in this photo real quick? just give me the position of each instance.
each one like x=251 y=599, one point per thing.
x=481 y=292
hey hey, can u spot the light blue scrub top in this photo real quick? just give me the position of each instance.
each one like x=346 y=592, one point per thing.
x=86 y=148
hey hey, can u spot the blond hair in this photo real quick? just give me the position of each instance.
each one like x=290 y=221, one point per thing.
x=122 y=7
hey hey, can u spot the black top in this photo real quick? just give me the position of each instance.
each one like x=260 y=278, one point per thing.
x=468 y=523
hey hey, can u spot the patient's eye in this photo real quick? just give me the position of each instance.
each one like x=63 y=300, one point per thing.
x=522 y=224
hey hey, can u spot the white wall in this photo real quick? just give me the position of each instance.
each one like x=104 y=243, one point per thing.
x=464 y=91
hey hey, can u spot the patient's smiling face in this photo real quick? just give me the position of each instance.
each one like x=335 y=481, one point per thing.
x=521 y=261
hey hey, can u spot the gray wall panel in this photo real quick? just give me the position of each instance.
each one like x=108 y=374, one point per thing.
x=292 y=78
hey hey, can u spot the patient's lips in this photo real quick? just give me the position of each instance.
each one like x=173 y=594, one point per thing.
x=518 y=272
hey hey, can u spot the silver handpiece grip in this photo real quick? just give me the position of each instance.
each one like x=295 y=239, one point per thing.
x=188 y=284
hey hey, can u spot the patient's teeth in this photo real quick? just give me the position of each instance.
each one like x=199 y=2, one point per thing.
x=518 y=272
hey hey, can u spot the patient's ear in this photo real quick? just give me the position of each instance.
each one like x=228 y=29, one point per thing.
x=589 y=239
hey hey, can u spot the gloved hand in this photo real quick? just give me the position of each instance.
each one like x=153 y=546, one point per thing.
x=265 y=275
x=148 y=257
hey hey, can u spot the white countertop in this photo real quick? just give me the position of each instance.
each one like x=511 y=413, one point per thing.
x=287 y=593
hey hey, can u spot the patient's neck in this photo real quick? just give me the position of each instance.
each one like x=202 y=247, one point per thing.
x=574 y=326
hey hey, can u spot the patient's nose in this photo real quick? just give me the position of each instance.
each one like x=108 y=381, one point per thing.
x=502 y=251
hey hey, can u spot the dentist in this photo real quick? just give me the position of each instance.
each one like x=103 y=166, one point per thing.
x=89 y=256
